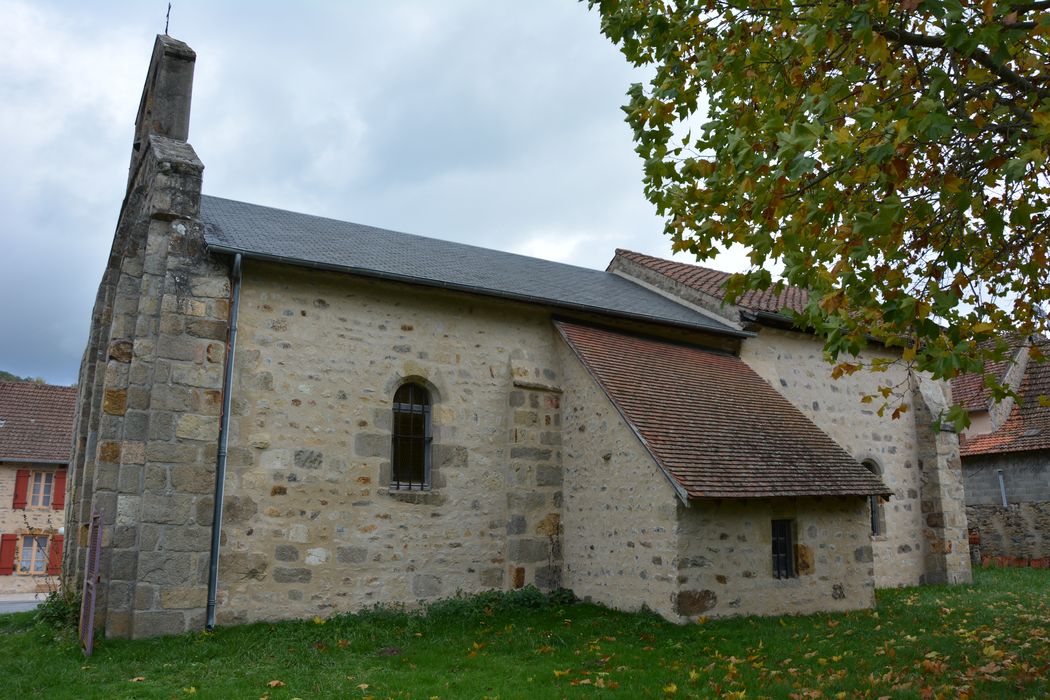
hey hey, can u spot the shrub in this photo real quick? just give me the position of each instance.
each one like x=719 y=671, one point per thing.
x=60 y=609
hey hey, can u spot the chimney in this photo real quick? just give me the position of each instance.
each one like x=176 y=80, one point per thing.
x=165 y=106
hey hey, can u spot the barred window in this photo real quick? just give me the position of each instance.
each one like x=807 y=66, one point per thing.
x=878 y=514
x=784 y=549
x=410 y=453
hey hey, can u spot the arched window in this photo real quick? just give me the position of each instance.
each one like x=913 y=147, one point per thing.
x=878 y=516
x=410 y=453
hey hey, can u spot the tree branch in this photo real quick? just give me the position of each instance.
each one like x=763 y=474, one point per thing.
x=979 y=55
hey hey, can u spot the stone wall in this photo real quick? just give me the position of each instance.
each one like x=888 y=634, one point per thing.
x=621 y=513
x=725 y=557
x=15 y=522
x=311 y=525
x=793 y=363
x=1026 y=476
x=1021 y=530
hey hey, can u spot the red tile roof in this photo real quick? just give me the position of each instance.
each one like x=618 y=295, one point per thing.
x=969 y=390
x=713 y=282
x=36 y=422
x=1028 y=425
x=715 y=426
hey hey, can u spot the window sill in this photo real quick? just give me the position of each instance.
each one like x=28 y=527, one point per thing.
x=418 y=496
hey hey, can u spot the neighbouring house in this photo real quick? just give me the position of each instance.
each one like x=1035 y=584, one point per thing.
x=36 y=433
x=1006 y=458
x=384 y=417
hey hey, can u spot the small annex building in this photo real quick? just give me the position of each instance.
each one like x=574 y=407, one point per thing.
x=1006 y=458
x=36 y=432
x=385 y=417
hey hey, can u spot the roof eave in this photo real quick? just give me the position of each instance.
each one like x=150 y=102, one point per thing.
x=789 y=493
x=33 y=460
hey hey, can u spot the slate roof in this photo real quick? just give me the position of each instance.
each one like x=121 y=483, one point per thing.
x=713 y=424
x=274 y=234
x=36 y=422
x=1028 y=425
x=712 y=282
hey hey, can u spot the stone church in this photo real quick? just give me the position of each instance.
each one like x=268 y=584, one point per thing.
x=281 y=415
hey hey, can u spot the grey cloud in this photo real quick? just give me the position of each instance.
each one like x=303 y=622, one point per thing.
x=492 y=123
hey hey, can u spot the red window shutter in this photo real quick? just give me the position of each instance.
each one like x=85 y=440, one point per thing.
x=21 y=489
x=58 y=490
x=7 y=554
x=54 y=556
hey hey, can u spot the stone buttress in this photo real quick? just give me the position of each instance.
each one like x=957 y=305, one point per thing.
x=150 y=383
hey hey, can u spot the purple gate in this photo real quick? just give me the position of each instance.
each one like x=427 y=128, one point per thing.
x=87 y=605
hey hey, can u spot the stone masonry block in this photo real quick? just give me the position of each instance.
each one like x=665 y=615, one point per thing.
x=286 y=552
x=187 y=538
x=530 y=453
x=308 y=459
x=426 y=586
x=184 y=597
x=178 y=347
x=210 y=287
x=165 y=568
x=132 y=452
x=286 y=575
x=203 y=376
x=193 y=478
x=162 y=509
x=351 y=555
x=115 y=401
x=195 y=427
x=525 y=551
x=171 y=452
x=121 y=350
x=204 y=328
x=154 y=624
x=548 y=476
x=450 y=456
x=372 y=445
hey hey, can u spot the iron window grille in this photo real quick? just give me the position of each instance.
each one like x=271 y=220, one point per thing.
x=878 y=518
x=783 y=549
x=411 y=439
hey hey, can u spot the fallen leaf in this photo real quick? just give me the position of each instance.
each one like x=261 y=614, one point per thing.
x=276 y=684
x=138 y=679
x=559 y=674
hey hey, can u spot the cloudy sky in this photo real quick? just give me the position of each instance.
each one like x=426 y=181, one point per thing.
x=491 y=122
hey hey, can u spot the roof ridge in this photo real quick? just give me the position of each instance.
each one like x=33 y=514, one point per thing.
x=400 y=233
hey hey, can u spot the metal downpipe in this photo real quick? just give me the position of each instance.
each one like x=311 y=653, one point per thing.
x=224 y=438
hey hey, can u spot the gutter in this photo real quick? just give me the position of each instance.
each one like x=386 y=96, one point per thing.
x=30 y=460
x=482 y=291
x=224 y=439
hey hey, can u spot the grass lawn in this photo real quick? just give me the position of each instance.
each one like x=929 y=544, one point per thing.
x=991 y=639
